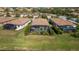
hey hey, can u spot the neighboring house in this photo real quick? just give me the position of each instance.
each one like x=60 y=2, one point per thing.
x=13 y=15
x=63 y=17
x=17 y=24
x=48 y=16
x=39 y=25
x=23 y=15
x=74 y=20
x=75 y=13
x=35 y=16
x=65 y=25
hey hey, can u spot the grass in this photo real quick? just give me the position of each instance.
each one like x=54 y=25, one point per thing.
x=15 y=40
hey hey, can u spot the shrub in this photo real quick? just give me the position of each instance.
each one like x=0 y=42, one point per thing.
x=39 y=33
x=35 y=33
x=1 y=27
x=27 y=30
x=77 y=28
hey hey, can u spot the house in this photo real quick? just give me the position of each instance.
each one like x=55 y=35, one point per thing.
x=17 y=24
x=64 y=25
x=39 y=25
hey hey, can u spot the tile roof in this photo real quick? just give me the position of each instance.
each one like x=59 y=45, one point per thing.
x=40 y=21
x=62 y=22
x=5 y=19
x=19 y=21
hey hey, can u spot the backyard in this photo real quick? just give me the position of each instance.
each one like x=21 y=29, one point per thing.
x=16 y=40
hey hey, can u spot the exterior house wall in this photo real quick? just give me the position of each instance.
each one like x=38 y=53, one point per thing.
x=9 y=26
x=39 y=28
x=68 y=28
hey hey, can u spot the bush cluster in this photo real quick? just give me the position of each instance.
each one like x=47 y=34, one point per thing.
x=76 y=34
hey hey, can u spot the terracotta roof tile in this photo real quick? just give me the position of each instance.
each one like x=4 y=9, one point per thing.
x=40 y=21
x=62 y=22
x=19 y=21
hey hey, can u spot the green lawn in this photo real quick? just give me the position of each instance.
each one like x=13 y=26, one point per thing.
x=15 y=40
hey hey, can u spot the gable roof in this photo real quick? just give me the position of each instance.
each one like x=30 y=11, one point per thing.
x=19 y=21
x=61 y=22
x=40 y=21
